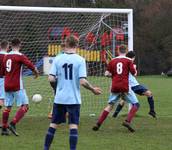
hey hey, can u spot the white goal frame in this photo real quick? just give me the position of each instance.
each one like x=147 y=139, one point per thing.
x=129 y=12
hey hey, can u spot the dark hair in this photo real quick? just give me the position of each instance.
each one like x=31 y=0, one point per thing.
x=4 y=44
x=130 y=54
x=71 y=41
x=15 y=43
x=123 y=49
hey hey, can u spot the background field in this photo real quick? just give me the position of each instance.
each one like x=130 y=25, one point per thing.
x=150 y=134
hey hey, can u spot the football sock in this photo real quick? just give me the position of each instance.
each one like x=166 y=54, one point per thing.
x=151 y=103
x=73 y=138
x=5 y=116
x=102 y=117
x=19 y=114
x=132 y=112
x=118 y=109
x=49 y=138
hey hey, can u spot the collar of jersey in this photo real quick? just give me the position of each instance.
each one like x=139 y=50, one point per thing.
x=15 y=52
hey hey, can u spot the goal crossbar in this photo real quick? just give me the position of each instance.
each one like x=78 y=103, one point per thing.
x=60 y=9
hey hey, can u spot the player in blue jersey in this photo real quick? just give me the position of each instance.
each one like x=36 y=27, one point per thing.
x=138 y=89
x=54 y=84
x=70 y=69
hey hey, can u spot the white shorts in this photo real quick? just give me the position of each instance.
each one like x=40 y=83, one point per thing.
x=130 y=97
x=2 y=91
x=19 y=97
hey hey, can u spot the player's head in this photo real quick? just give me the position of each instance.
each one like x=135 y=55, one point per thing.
x=131 y=55
x=122 y=49
x=16 y=44
x=71 y=42
x=4 y=45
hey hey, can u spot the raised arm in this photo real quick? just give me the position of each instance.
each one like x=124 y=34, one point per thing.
x=30 y=65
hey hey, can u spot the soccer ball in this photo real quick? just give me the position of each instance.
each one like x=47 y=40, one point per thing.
x=36 y=98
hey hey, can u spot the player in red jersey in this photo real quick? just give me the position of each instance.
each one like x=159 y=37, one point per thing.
x=14 y=90
x=118 y=69
x=3 y=51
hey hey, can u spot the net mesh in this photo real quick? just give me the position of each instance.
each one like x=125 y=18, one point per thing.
x=42 y=33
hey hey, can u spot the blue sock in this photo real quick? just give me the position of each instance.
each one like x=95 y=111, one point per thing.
x=73 y=138
x=151 y=103
x=49 y=138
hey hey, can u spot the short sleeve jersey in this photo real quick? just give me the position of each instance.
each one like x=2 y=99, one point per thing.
x=120 y=67
x=2 y=54
x=132 y=81
x=12 y=68
x=68 y=68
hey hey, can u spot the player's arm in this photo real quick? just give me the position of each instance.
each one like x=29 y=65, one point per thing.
x=108 y=71
x=96 y=90
x=132 y=68
x=30 y=65
x=52 y=77
x=83 y=80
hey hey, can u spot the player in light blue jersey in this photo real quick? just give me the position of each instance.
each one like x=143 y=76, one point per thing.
x=70 y=69
x=138 y=89
x=54 y=84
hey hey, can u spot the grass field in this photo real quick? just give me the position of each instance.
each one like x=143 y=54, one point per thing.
x=150 y=134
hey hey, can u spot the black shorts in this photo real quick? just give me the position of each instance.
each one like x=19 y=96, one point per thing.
x=139 y=89
x=60 y=110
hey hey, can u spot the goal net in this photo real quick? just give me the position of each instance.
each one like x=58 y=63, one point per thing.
x=42 y=30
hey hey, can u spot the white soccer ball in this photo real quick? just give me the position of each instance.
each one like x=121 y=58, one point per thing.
x=36 y=98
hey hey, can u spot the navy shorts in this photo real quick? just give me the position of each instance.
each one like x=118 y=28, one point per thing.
x=139 y=89
x=60 y=110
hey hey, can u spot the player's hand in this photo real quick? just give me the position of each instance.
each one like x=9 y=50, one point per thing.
x=108 y=74
x=36 y=73
x=135 y=67
x=97 y=90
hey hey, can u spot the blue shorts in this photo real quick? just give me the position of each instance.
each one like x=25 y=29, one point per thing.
x=130 y=97
x=60 y=110
x=139 y=89
x=2 y=91
x=19 y=97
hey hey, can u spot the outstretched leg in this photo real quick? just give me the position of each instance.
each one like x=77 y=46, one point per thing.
x=103 y=116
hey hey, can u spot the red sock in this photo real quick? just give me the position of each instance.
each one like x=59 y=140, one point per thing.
x=132 y=113
x=5 y=116
x=19 y=114
x=102 y=117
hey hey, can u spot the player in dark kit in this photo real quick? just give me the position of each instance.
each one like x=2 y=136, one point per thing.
x=14 y=90
x=118 y=69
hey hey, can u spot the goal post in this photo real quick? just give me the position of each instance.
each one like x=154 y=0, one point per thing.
x=43 y=29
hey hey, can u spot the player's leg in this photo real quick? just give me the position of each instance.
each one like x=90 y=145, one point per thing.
x=112 y=100
x=142 y=90
x=119 y=108
x=23 y=106
x=9 y=100
x=2 y=95
x=5 y=117
x=131 y=97
x=58 y=117
x=74 y=114
x=150 y=98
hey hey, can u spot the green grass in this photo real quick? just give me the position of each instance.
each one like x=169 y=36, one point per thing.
x=150 y=134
